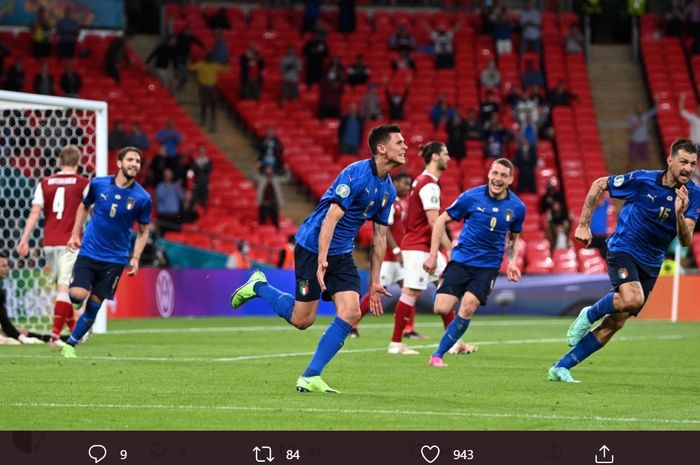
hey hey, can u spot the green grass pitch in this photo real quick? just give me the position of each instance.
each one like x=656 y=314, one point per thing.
x=239 y=374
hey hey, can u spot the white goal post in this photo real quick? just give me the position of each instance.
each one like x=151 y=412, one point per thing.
x=33 y=130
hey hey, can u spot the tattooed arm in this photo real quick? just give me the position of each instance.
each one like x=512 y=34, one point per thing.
x=512 y=254
x=583 y=230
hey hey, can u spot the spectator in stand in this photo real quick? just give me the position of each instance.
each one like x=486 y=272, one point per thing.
x=530 y=23
x=638 y=128
x=331 y=90
x=560 y=95
x=168 y=203
x=208 y=71
x=473 y=128
x=171 y=138
x=40 y=30
x=312 y=14
x=156 y=166
x=71 y=83
x=490 y=77
x=573 y=43
x=43 y=81
x=270 y=152
x=252 y=65
x=350 y=131
x=503 y=32
x=219 y=20
x=529 y=130
x=219 y=50
x=551 y=195
x=183 y=45
x=402 y=40
x=443 y=44
x=238 y=259
x=358 y=73
x=114 y=56
x=456 y=136
x=162 y=61
x=599 y=224
x=403 y=63
x=269 y=197
x=191 y=212
x=441 y=111
x=489 y=107
x=513 y=97
x=137 y=138
x=14 y=78
x=315 y=53
x=559 y=225
x=286 y=257
x=201 y=168
x=675 y=18
x=68 y=31
x=692 y=118
x=526 y=162
x=497 y=137
x=118 y=137
x=530 y=105
x=291 y=68
x=370 y=107
x=347 y=18
x=487 y=16
x=395 y=101
x=532 y=76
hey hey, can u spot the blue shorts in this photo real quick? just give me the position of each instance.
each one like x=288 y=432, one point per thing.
x=341 y=275
x=100 y=278
x=623 y=268
x=457 y=279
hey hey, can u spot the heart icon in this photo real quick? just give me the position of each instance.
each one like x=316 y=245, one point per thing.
x=430 y=453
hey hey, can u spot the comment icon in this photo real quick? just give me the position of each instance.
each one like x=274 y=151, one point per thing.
x=97 y=452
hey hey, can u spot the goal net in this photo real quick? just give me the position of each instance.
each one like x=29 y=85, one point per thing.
x=33 y=130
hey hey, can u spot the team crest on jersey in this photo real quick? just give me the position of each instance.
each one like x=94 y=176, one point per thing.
x=622 y=273
x=130 y=203
x=342 y=191
x=509 y=215
x=385 y=199
x=303 y=287
x=618 y=180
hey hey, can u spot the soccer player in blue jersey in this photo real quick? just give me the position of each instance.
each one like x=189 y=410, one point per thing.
x=491 y=213
x=117 y=202
x=658 y=206
x=363 y=191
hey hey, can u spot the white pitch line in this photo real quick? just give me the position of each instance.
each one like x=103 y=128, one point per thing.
x=244 y=329
x=235 y=408
x=241 y=358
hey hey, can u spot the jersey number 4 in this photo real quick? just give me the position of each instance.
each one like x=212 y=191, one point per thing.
x=59 y=202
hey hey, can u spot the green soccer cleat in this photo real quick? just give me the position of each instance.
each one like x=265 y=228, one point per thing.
x=314 y=384
x=68 y=351
x=561 y=374
x=247 y=291
x=578 y=328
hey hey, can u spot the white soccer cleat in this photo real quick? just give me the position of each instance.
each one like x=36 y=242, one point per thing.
x=29 y=340
x=9 y=341
x=461 y=347
x=399 y=348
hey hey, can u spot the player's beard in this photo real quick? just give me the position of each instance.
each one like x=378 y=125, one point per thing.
x=126 y=174
x=677 y=179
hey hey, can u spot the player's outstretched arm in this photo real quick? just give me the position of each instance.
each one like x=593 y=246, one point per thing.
x=325 y=236
x=32 y=220
x=430 y=263
x=376 y=290
x=80 y=218
x=139 y=244
x=583 y=230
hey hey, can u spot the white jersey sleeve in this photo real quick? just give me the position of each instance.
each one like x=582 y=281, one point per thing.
x=430 y=196
x=38 y=196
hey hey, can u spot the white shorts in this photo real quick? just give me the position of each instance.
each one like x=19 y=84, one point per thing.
x=391 y=273
x=60 y=260
x=414 y=276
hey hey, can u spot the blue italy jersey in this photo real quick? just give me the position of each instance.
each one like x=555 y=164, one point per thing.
x=487 y=221
x=362 y=195
x=107 y=237
x=647 y=221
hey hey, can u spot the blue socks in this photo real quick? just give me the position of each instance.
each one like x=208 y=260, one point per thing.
x=601 y=308
x=329 y=345
x=84 y=322
x=580 y=352
x=453 y=332
x=281 y=302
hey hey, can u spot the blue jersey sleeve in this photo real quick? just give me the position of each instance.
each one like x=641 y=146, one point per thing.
x=459 y=210
x=145 y=212
x=382 y=216
x=517 y=225
x=693 y=211
x=89 y=198
x=348 y=185
x=623 y=186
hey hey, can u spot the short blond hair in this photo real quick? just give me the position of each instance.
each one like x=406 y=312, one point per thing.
x=70 y=155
